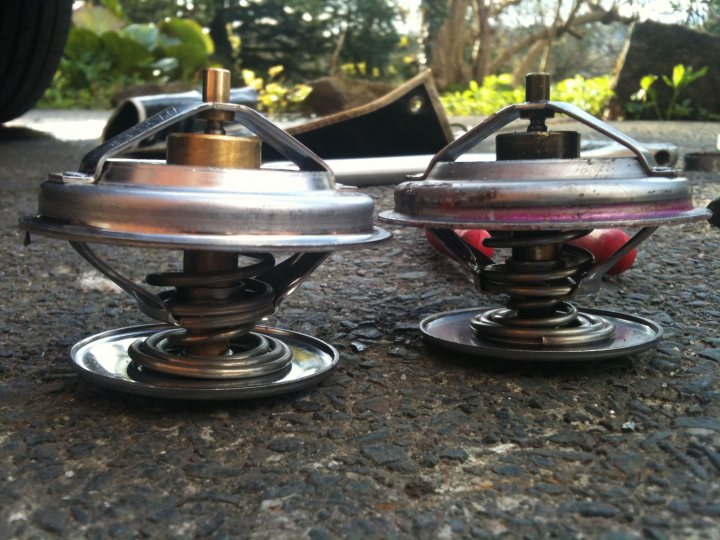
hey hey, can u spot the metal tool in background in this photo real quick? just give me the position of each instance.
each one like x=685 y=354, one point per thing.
x=406 y=120
x=708 y=161
x=134 y=110
x=537 y=195
x=380 y=142
x=211 y=201
x=702 y=161
x=364 y=172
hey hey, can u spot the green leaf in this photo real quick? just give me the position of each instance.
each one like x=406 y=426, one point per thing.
x=683 y=109
x=694 y=75
x=506 y=79
x=496 y=92
x=274 y=71
x=678 y=75
x=144 y=34
x=185 y=40
x=188 y=33
x=633 y=108
x=80 y=42
x=166 y=65
x=647 y=81
x=114 y=6
x=97 y=19
x=127 y=54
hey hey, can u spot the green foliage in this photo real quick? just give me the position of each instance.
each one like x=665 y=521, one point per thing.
x=307 y=37
x=276 y=97
x=185 y=40
x=591 y=95
x=436 y=11
x=370 y=34
x=103 y=55
x=401 y=64
x=646 y=98
x=290 y=33
x=97 y=18
x=114 y=7
x=498 y=91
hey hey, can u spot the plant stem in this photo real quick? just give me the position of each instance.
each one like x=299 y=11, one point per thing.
x=671 y=105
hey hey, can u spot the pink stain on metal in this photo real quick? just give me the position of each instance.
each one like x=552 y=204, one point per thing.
x=624 y=212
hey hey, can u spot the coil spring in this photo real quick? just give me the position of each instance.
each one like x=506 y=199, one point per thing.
x=540 y=277
x=216 y=312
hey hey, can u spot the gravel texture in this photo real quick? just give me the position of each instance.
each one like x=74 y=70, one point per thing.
x=404 y=440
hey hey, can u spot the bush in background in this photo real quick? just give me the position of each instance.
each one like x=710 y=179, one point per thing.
x=498 y=91
x=646 y=98
x=104 y=54
x=276 y=97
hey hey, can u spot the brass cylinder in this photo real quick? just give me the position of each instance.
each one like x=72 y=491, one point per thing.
x=209 y=150
x=537 y=87
x=216 y=89
x=537 y=145
x=216 y=85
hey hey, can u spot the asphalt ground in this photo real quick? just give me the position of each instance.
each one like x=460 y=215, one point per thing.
x=404 y=440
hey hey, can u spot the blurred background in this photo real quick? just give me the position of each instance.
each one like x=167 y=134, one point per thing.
x=478 y=50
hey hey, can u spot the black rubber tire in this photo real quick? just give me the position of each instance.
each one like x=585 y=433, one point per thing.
x=32 y=39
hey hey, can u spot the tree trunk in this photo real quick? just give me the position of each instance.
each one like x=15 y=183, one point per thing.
x=335 y=58
x=544 y=66
x=517 y=47
x=481 y=65
x=528 y=63
x=450 y=47
x=465 y=44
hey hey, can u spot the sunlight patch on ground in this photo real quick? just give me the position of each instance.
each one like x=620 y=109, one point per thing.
x=92 y=281
x=71 y=125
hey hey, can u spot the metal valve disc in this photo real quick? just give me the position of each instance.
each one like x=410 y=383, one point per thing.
x=453 y=330
x=537 y=196
x=103 y=359
x=212 y=200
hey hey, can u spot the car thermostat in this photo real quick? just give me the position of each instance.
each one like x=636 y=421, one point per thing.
x=535 y=197
x=213 y=201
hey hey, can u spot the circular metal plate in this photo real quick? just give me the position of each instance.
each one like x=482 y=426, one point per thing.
x=452 y=330
x=216 y=242
x=544 y=194
x=454 y=222
x=204 y=208
x=103 y=359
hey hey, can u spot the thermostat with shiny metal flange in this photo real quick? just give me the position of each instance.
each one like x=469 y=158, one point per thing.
x=533 y=199
x=211 y=200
